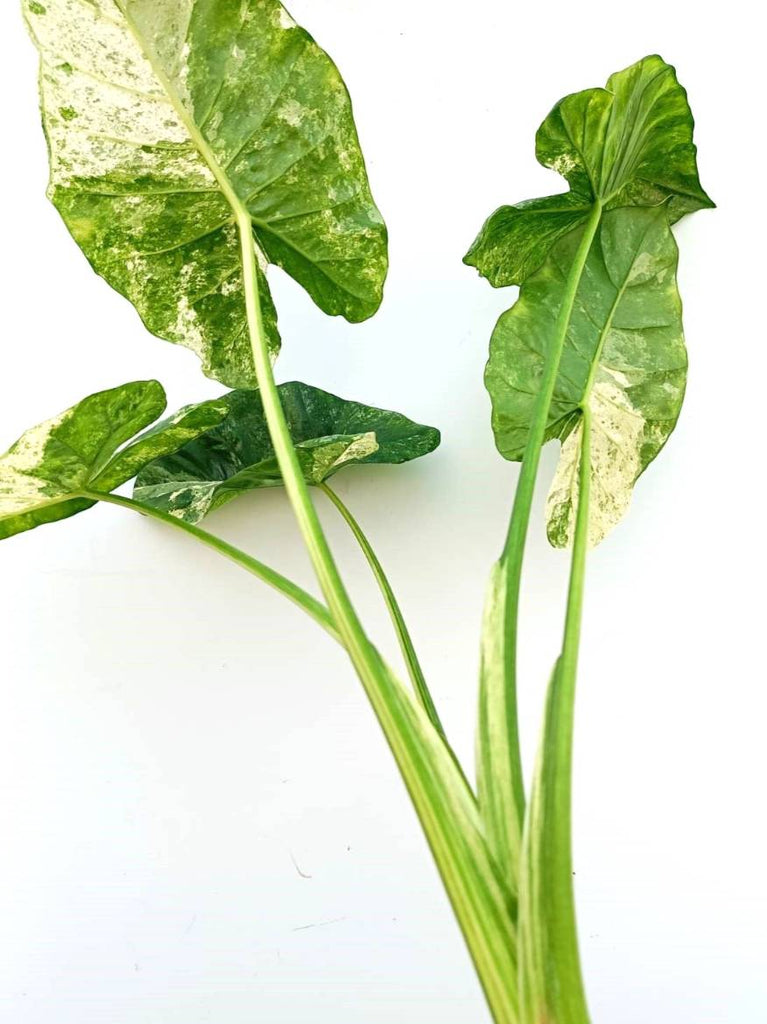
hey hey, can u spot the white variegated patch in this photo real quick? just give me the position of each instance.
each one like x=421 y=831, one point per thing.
x=623 y=359
x=57 y=468
x=21 y=487
x=617 y=437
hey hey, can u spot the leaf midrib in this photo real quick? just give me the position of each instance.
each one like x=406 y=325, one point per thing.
x=48 y=503
x=631 y=134
x=590 y=380
x=239 y=210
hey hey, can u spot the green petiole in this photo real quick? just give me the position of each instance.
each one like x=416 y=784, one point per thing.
x=516 y=537
x=314 y=608
x=501 y=781
x=403 y=634
x=551 y=983
x=466 y=870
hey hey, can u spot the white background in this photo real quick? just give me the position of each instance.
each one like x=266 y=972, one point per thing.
x=179 y=748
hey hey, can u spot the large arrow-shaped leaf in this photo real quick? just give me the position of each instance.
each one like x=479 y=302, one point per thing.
x=238 y=456
x=629 y=144
x=162 y=116
x=624 y=358
x=45 y=474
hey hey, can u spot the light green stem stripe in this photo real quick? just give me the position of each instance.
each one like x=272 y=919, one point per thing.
x=483 y=929
x=564 y=933
x=395 y=612
x=274 y=579
x=514 y=548
x=551 y=981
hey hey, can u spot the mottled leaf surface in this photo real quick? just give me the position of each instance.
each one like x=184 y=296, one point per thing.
x=629 y=144
x=162 y=117
x=624 y=357
x=44 y=474
x=237 y=456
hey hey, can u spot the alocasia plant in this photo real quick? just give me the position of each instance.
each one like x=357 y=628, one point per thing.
x=191 y=143
x=195 y=142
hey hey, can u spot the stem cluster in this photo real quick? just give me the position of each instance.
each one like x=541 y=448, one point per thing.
x=465 y=867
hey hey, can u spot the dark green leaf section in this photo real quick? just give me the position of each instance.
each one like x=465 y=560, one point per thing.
x=624 y=358
x=44 y=474
x=162 y=117
x=515 y=240
x=629 y=144
x=237 y=456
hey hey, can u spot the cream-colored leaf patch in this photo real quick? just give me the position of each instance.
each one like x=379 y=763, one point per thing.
x=623 y=359
x=54 y=469
x=237 y=456
x=21 y=486
x=616 y=443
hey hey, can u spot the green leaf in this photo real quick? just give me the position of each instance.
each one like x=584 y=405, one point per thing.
x=238 y=455
x=551 y=986
x=624 y=358
x=45 y=474
x=515 y=240
x=629 y=144
x=167 y=120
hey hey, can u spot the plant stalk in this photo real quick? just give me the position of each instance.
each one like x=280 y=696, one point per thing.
x=292 y=591
x=551 y=981
x=395 y=612
x=445 y=812
x=516 y=537
x=486 y=936
x=565 y=935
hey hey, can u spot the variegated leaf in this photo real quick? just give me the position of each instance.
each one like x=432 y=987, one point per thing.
x=624 y=356
x=629 y=144
x=237 y=456
x=48 y=473
x=166 y=117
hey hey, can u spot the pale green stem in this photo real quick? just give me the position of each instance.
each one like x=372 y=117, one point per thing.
x=395 y=612
x=568 y=663
x=482 y=935
x=514 y=548
x=562 y=951
x=292 y=591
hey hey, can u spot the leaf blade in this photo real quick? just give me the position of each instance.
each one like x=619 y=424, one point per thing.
x=629 y=144
x=328 y=432
x=147 y=166
x=624 y=356
x=43 y=474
